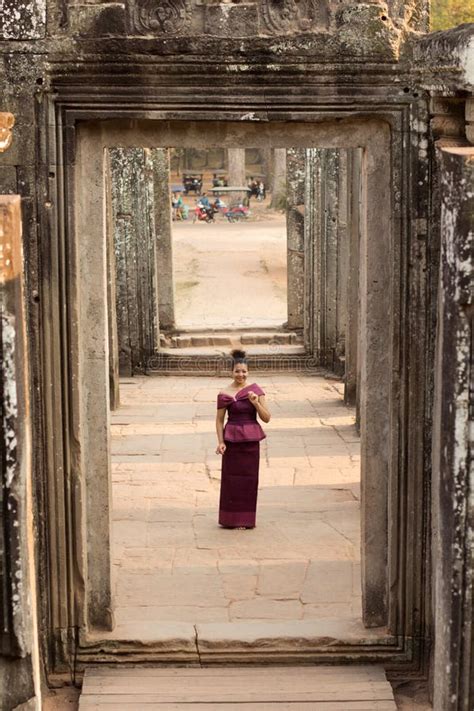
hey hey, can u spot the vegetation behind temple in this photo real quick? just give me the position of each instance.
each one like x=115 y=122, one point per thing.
x=449 y=13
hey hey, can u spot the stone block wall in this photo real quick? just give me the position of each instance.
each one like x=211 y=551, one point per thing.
x=453 y=475
x=19 y=652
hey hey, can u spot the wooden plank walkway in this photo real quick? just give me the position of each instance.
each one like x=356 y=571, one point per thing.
x=323 y=688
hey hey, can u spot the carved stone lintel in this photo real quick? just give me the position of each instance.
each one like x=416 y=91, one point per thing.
x=223 y=18
x=159 y=17
x=283 y=16
x=7 y=121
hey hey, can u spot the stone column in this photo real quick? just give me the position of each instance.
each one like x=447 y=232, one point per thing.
x=134 y=228
x=375 y=383
x=342 y=265
x=354 y=167
x=279 y=179
x=163 y=243
x=312 y=191
x=295 y=216
x=329 y=256
x=267 y=166
x=322 y=216
x=114 y=379
x=323 y=299
x=236 y=166
x=453 y=482
x=19 y=653
x=92 y=384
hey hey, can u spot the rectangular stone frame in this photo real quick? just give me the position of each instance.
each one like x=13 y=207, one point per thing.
x=399 y=428
x=92 y=142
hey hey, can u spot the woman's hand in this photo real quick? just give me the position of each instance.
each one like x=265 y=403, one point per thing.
x=253 y=397
x=220 y=449
x=260 y=405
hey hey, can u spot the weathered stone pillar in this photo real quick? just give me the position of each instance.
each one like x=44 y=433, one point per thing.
x=236 y=166
x=343 y=249
x=163 y=241
x=279 y=179
x=19 y=653
x=453 y=479
x=267 y=166
x=329 y=256
x=93 y=469
x=324 y=252
x=295 y=216
x=374 y=379
x=354 y=167
x=114 y=361
x=132 y=174
x=312 y=224
x=322 y=217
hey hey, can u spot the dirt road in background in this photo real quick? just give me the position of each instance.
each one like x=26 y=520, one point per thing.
x=230 y=275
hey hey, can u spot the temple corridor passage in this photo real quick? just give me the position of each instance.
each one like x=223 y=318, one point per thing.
x=230 y=275
x=173 y=562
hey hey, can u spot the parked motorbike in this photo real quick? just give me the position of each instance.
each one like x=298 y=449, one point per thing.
x=237 y=213
x=204 y=213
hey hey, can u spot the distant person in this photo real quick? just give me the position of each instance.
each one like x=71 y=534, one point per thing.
x=204 y=200
x=238 y=441
x=180 y=210
x=218 y=204
x=252 y=188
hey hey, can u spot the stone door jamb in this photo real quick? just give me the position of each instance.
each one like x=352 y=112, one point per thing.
x=93 y=355
x=383 y=246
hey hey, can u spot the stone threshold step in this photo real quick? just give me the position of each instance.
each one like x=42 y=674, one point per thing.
x=341 y=688
x=221 y=352
x=204 y=361
x=234 y=340
x=236 y=642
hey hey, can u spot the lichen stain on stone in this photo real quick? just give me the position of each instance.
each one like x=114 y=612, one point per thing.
x=10 y=422
x=238 y=67
x=10 y=402
x=23 y=19
x=457 y=274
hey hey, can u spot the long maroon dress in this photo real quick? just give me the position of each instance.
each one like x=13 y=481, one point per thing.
x=240 y=461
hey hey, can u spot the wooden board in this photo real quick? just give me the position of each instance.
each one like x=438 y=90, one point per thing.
x=343 y=688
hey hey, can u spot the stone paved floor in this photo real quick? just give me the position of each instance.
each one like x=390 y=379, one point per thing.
x=171 y=560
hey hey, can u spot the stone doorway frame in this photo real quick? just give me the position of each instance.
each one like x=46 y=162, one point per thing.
x=78 y=592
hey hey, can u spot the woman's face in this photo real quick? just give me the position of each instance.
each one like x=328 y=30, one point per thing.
x=240 y=373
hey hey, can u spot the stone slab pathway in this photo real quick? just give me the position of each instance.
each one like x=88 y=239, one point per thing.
x=354 y=688
x=173 y=563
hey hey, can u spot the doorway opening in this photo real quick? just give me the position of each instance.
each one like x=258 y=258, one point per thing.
x=206 y=258
x=229 y=240
x=332 y=269
x=229 y=254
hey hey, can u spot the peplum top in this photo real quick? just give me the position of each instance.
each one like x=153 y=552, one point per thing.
x=241 y=425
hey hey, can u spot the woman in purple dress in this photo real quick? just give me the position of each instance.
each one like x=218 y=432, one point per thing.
x=239 y=444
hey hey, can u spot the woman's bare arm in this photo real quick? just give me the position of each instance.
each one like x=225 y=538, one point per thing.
x=220 y=416
x=260 y=405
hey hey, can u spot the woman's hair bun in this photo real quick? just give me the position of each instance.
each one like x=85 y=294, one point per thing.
x=238 y=354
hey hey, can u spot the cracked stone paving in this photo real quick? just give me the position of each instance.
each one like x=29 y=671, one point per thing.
x=173 y=562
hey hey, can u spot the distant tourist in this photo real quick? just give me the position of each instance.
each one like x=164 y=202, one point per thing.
x=180 y=211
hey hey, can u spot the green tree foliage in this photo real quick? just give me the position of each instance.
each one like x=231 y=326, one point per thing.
x=450 y=13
